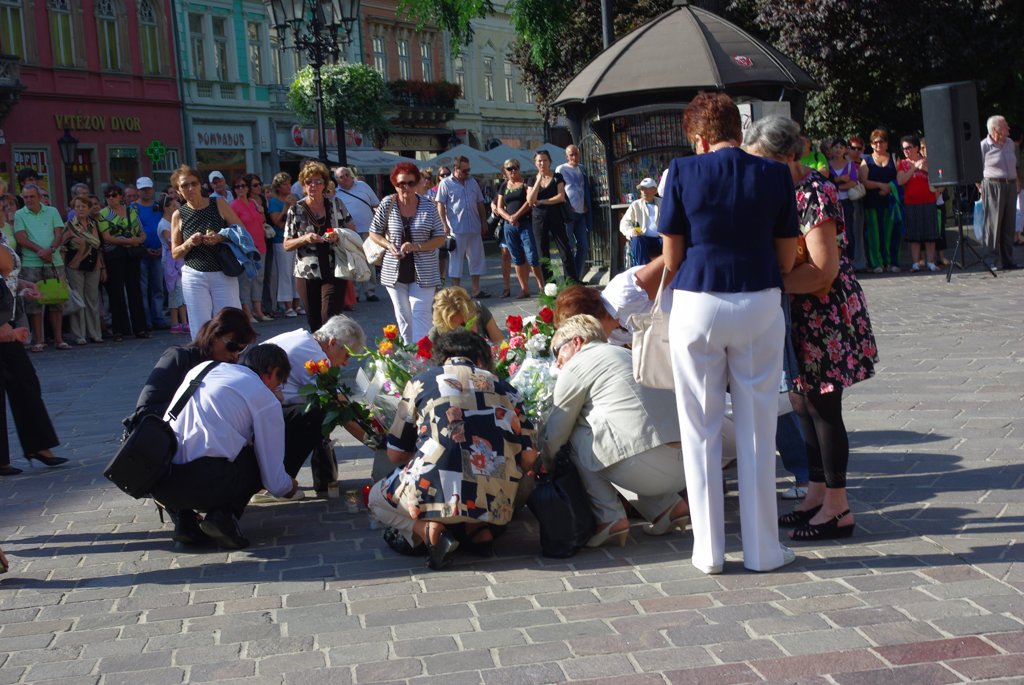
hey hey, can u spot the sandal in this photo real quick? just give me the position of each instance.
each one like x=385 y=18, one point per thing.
x=38 y=347
x=62 y=346
x=505 y=294
x=798 y=518
x=829 y=530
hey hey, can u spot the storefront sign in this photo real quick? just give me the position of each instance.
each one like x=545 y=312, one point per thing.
x=156 y=151
x=399 y=141
x=97 y=122
x=309 y=138
x=224 y=137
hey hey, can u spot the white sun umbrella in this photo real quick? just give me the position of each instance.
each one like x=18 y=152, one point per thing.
x=525 y=158
x=557 y=153
x=479 y=163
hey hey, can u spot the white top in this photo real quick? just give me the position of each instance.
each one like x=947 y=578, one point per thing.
x=231 y=409
x=301 y=347
x=360 y=201
x=623 y=297
x=574 y=188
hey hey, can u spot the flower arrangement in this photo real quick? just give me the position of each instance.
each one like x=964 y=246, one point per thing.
x=327 y=393
x=391 y=364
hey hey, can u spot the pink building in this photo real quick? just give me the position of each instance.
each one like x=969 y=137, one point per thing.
x=105 y=70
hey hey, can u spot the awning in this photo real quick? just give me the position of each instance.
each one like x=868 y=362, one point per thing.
x=365 y=160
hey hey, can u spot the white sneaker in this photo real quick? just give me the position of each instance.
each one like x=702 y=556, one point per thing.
x=264 y=497
x=915 y=267
x=290 y=313
x=932 y=267
x=894 y=269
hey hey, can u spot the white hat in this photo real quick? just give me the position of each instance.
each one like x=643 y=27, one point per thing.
x=144 y=182
x=216 y=174
x=647 y=183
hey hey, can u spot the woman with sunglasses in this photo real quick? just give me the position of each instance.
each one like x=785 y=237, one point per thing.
x=409 y=228
x=877 y=171
x=250 y=290
x=85 y=269
x=309 y=231
x=547 y=197
x=195 y=237
x=123 y=240
x=920 y=213
x=519 y=237
x=267 y=294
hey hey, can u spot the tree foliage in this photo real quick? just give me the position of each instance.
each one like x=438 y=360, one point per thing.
x=454 y=16
x=355 y=91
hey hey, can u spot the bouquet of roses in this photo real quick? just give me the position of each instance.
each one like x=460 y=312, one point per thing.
x=327 y=393
x=390 y=365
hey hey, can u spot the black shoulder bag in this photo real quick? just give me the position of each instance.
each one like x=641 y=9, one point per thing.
x=562 y=508
x=145 y=456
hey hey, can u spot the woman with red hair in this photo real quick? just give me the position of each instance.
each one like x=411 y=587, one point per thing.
x=409 y=229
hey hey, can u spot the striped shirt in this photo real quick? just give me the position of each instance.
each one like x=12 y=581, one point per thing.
x=425 y=225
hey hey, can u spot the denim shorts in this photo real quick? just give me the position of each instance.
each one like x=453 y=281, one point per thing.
x=521 y=243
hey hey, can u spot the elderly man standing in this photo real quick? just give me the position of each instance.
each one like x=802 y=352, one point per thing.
x=577 y=191
x=361 y=202
x=38 y=230
x=999 y=190
x=460 y=202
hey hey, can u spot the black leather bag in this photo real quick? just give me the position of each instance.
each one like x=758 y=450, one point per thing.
x=562 y=508
x=229 y=263
x=449 y=244
x=145 y=455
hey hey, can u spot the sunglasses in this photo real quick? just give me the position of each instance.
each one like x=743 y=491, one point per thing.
x=879 y=141
x=442 y=175
x=315 y=182
x=405 y=184
x=511 y=168
x=257 y=184
x=858 y=148
x=233 y=345
x=240 y=185
x=558 y=348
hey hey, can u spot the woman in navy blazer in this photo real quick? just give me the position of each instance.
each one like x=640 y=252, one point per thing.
x=729 y=227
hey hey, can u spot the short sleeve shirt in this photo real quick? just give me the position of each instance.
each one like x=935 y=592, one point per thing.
x=575 y=186
x=150 y=216
x=41 y=228
x=461 y=201
x=360 y=201
x=729 y=207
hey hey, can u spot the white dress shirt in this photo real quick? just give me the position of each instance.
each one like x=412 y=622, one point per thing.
x=360 y=201
x=301 y=347
x=231 y=409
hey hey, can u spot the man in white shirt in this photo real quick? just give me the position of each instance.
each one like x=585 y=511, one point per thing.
x=460 y=202
x=220 y=187
x=361 y=202
x=230 y=445
x=577 y=192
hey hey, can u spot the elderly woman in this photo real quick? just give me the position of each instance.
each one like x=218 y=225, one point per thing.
x=621 y=432
x=454 y=308
x=920 y=213
x=309 y=230
x=123 y=236
x=85 y=269
x=462 y=442
x=877 y=172
x=409 y=228
x=831 y=333
x=733 y=216
x=640 y=224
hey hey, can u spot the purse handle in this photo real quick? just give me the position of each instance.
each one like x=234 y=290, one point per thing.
x=656 y=308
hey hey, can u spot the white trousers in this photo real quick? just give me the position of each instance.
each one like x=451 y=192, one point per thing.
x=467 y=245
x=413 y=309
x=656 y=476
x=734 y=339
x=206 y=293
x=284 y=266
x=393 y=517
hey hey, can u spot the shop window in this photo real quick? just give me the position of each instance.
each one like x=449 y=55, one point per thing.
x=124 y=164
x=254 y=34
x=12 y=29
x=380 y=56
x=29 y=158
x=197 y=46
x=509 y=81
x=460 y=75
x=427 y=61
x=62 y=34
x=220 y=49
x=149 y=37
x=404 y=65
x=488 y=67
x=109 y=34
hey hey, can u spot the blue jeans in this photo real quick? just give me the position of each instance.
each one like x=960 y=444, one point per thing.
x=789 y=441
x=152 y=272
x=577 y=228
x=521 y=243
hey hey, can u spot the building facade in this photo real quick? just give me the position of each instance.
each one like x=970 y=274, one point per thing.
x=103 y=70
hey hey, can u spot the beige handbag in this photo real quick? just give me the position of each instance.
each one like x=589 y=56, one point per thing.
x=652 y=356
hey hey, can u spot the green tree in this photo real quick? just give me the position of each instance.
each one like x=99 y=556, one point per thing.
x=354 y=91
x=455 y=16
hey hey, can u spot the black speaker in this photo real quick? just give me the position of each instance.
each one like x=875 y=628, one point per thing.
x=950 y=113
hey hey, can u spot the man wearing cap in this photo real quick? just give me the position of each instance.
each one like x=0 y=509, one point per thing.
x=640 y=224
x=361 y=202
x=220 y=187
x=152 y=266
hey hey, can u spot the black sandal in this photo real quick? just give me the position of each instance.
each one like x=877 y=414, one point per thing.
x=798 y=518
x=829 y=530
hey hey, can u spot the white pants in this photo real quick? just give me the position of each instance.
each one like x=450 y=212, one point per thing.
x=393 y=517
x=656 y=476
x=467 y=245
x=284 y=265
x=206 y=293
x=734 y=338
x=413 y=306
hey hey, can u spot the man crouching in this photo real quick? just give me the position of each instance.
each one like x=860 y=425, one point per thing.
x=230 y=446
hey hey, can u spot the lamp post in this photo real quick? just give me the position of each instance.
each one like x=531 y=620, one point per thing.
x=68 y=146
x=313 y=27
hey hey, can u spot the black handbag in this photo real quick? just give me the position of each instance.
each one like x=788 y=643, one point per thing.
x=145 y=455
x=227 y=260
x=562 y=508
x=449 y=244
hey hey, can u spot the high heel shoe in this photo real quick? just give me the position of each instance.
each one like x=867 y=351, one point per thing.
x=604 y=535
x=44 y=460
x=666 y=524
x=795 y=519
x=441 y=552
x=829 y=530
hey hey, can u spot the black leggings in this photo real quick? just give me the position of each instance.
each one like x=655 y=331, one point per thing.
x=828 y=445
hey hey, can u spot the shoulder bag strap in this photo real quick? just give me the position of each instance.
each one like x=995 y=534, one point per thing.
x=356 y=197
x=193 y=385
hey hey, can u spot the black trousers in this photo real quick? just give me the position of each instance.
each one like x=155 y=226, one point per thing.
x=20 y=384
x=301 y=436
x=322 y=298
x=548 y=223
x=124 y=280
x=211 y=484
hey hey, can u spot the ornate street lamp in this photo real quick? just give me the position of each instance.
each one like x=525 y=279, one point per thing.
x=313 y=27
x=68 y=146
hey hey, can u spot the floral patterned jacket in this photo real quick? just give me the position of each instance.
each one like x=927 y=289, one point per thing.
x=301 y=221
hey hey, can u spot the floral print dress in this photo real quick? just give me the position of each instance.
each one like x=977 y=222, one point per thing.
x=468 y=432
x=832 y=334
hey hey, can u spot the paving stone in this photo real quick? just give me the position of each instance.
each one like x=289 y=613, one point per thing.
x=900 y=633
x=223 y=671
x=934 y=674
x=288 y=663
x=117 y=647
x=853 y=618
x=274 y=646
x=611 y=644
x=790 y=668
x=388 y=670
x=973 y=625
x=988 y=667
x=518 y=619
x=567 y=631
x=935 y=650
x=705 y=634
x=58 y=670
x=425 y=646
x=746 y=650
x=598 y=666
x=206 y=655
x=453 y=662
x=674 y=658
x=55 y=628
x=727 y=674
x=431 y=614
x=492 y=638
x=159 y=676
x=535 y=674
x=353 y=655
x=323 y=676
x=1011 y=642
x=463 y=678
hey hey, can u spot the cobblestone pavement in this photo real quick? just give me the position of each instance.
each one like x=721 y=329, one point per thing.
x=927 y=591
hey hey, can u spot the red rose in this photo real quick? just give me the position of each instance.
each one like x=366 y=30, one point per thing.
x=424 y=348
x=546 y=315
x=514 y=324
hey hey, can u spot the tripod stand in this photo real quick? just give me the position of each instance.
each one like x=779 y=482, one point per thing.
x=957 y=262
